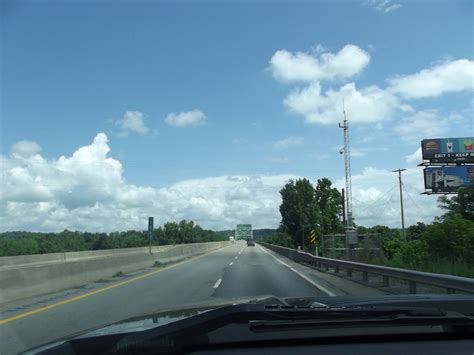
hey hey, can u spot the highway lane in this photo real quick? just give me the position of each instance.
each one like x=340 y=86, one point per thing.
x=257 y=273
x=232 y=272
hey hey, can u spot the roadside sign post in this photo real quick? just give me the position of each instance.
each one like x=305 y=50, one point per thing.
x=312 y=239
x=150 y=232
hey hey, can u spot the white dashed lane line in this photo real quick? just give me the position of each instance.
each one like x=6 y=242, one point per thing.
x=231 y=263
x=218 y=282
x=237 y=257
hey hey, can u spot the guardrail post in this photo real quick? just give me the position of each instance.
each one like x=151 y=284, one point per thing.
x=412 y=286
x=349 y=272
x=450 y=290
x=326 y=267
x=386 y=283
x=336 y=269
x=365 y=276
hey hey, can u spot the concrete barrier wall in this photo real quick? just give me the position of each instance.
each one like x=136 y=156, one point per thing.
x=51 y=274
x=55 y=257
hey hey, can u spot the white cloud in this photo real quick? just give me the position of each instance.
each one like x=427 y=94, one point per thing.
x=277 y=160
x=288 y=142
x=184 y=119
x=451 y=76
x=392 y=8
x=87 y=191
x=370 y=104
x=319 y=48
x=25 y=149
x=132 y=121
x=376 y=198
x=384 y=6
x=422 y=124
x=415 y=158
x=356 y=152
x=307 y=67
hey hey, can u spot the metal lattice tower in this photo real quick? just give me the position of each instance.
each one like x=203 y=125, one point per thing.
x=347 y=168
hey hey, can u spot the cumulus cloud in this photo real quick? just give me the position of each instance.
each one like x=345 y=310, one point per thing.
x=384 y=6
x=288 y=142
x=132 y=121
x=307 y=67
x=24 y=149
x=370 y=104
x=451 y=76
x=184 y=119
x=415 y=158
x=422 y=124
x=376 y=198
x=87 y=191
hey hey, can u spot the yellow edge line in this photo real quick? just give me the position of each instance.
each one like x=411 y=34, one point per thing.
x=77 y=298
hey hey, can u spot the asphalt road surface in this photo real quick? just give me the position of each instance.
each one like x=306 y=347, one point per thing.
x=232 y=272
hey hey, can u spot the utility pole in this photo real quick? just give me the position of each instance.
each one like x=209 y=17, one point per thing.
x=399 y=171
x=343 y=208
x=347 y=169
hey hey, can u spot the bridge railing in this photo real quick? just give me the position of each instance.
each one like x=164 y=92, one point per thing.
x=448 y=282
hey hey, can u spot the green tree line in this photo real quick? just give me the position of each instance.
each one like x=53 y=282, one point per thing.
x=444 y=246
x=27 y=243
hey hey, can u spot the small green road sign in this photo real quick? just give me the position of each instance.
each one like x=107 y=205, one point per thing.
x=150 y=224
x=150 y=232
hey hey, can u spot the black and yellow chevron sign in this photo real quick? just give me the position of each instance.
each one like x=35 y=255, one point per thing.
x=312 y=236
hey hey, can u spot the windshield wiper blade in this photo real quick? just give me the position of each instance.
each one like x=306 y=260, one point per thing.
x=363 y=320
x=194 y=330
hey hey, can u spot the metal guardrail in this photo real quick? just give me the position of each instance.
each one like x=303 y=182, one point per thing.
x=448 y=282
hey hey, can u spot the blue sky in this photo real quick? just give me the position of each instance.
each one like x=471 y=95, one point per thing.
x=72 y=69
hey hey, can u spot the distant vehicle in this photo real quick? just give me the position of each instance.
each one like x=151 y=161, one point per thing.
x=250 y=242
x=231 y=238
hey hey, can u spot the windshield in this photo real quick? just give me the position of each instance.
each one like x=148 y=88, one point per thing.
x=161 y=155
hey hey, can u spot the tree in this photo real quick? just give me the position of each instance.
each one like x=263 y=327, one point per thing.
x=416 y=230
x=299 y=209
x=329 y=201
x=452 y=238
x=463 y=203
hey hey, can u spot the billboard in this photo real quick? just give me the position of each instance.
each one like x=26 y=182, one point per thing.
x=448 y=178
x=448 y=150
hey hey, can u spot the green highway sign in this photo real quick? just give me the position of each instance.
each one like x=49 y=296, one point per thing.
x=243 y=231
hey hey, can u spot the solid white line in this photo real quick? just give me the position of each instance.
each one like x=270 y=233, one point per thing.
x=218 y=282
x=237 y=257
x=231 y=263
x=324 y=289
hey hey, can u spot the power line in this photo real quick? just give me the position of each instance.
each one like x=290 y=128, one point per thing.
x=412 y=200
x=380 y=201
